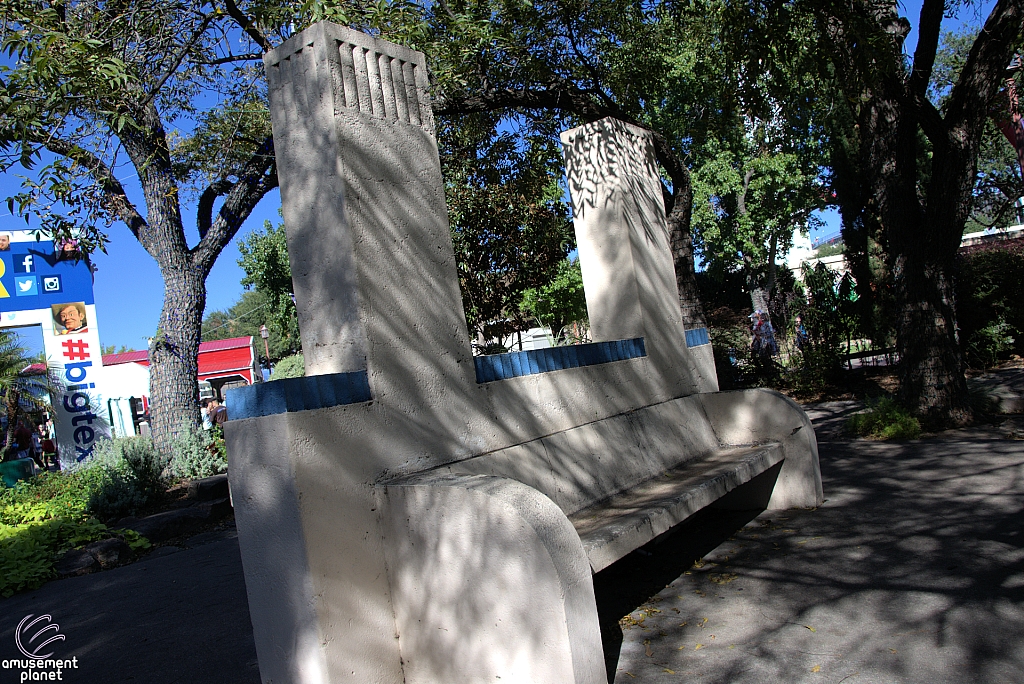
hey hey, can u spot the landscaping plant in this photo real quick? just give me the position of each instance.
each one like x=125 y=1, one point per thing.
x=884 y=419
x=45 y=516
x=198 y=453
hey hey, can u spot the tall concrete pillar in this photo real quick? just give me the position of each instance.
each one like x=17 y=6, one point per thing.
x=625 y=251
x=363 y=201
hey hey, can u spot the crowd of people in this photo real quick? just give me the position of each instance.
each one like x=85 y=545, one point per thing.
x=36 y=442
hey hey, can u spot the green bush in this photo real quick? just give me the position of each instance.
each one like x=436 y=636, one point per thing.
x=990 y=309
x=44 y=517
x=197 y=453
x=293 y=366
x=132 y=470
x=884 y=419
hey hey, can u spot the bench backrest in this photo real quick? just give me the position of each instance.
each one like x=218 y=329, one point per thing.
x=374 y=272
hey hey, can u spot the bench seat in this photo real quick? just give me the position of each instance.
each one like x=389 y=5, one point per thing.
x=612 y=528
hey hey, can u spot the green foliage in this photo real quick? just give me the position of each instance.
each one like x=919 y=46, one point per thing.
x=510 y=227
x=42 y=518
x=989 y=305
x=197 y=453
x=268 y=273
x=560 y=302
x=829 y=250
x=244 y=318
x=998 y=181
x=289 y=367
x=884 y=419
x=132 y=470
x=747 y=202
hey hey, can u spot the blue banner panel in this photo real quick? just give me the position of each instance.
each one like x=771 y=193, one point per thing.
x=33 y=276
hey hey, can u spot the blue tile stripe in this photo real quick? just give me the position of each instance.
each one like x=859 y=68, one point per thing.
x=515 y=364
x=297 y=394
x=697 y=337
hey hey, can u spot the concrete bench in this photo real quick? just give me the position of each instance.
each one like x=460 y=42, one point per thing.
x=410 y=513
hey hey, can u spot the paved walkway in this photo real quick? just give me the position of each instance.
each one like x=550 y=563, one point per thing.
x=912 y=571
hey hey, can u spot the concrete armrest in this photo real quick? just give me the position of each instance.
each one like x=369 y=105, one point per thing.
x=488 y=576
x=760 y=416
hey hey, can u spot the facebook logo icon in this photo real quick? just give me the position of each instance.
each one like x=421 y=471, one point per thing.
x=24 y=263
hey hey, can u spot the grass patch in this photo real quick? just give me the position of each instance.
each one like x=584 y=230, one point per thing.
x=884 y=419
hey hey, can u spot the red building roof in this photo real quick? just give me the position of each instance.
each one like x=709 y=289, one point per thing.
x=217 y=358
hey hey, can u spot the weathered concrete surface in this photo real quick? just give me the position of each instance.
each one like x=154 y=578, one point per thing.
x=625 y=249
x=912 y=571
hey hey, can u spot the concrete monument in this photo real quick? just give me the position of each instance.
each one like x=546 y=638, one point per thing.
x=410 y=513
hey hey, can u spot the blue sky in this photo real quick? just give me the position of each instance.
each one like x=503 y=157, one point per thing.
x=128 y=287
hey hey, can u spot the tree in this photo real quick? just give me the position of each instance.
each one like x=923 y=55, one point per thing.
x=94 y=87
x=999 y=183
x=243 y=319
x=560 y=302
x=114 y=349
x=268 y=274
x=19 y=386
x=556 y=64
x=510 y=228
x=911 y=168
x=747 y=204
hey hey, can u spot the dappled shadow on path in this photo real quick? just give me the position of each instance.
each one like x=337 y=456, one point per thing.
x=629 y=583
x=912 y=571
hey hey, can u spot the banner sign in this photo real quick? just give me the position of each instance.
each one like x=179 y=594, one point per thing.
x=52 y=288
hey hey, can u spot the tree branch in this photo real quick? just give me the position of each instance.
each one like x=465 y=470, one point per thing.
x=116 y=198
x=257 y=178
x=204 y=212
x=178 y=60
x=982 y=74
x=249 y=57
x=246 y=24
x=928 y=30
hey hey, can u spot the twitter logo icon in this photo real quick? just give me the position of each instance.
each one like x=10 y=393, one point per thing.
x=25 y=286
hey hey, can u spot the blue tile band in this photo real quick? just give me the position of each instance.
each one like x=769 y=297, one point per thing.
x=697 y=337
x=515 y=364
x=297 y=394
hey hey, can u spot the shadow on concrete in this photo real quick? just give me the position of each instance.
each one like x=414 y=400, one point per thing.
x=629 y=583
x=912 y=571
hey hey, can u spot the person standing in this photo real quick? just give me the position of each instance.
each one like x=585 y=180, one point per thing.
x=204 y=411
x=218 y=412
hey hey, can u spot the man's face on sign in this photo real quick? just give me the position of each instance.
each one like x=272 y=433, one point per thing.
x=70 y=318
x=5 y=242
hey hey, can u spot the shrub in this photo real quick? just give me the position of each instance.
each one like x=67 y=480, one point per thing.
x=197 y=453
x=293 y=366
x=885 y=419
x=42 y=518
x=132 y=470
x=990 y=310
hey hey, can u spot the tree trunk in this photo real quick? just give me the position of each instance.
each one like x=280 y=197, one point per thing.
x=678 y=219
x=173 y=354
x=11 y=408
x=932 y=379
